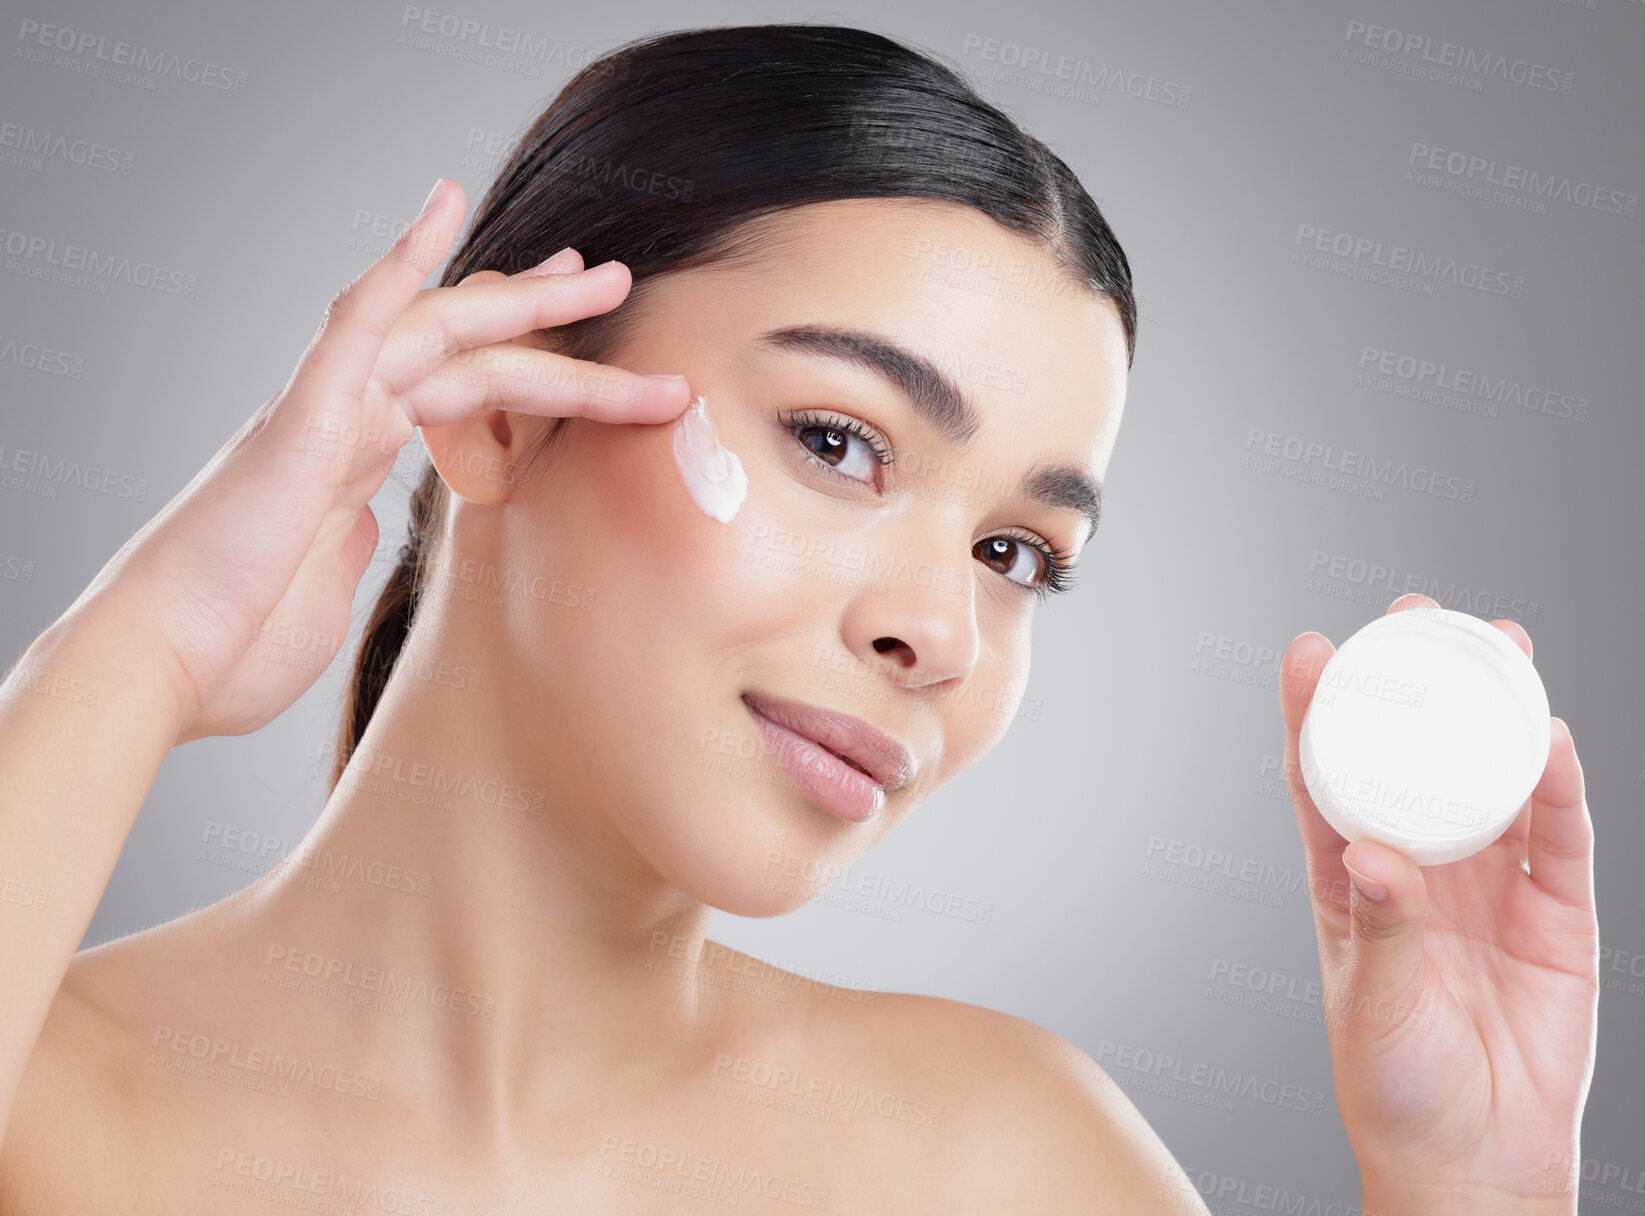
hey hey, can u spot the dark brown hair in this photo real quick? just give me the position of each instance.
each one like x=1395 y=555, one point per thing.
x=661 y=152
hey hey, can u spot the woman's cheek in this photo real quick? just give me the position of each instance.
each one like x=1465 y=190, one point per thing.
x=656 y=530
x=680 y=573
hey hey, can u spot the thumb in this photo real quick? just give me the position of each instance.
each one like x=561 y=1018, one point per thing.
x=1387 y=906
x=361 y=545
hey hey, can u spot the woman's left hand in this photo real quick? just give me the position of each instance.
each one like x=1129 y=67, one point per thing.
x=1461 y=1000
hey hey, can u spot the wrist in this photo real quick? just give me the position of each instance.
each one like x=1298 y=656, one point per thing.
x=107 y=640
x=1394 y=1197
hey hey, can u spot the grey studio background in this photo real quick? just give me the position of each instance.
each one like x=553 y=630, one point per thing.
x=1129 y=847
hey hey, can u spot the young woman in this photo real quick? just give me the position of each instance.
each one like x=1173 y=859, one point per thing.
x=586 y=712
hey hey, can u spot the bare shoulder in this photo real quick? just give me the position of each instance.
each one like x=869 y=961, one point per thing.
x=84 y=1101
x=78 y=1084
x=1034 y=1124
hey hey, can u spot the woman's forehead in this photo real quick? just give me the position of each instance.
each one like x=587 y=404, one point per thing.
x=1003 y=320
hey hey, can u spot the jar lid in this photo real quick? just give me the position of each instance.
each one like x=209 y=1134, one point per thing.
x=1428 y=730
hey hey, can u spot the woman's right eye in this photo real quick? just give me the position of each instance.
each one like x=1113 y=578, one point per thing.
x=843 y=446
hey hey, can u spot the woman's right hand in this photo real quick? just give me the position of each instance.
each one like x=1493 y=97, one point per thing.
x=273 y=535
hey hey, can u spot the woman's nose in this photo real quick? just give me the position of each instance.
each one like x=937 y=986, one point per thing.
x=919 y=635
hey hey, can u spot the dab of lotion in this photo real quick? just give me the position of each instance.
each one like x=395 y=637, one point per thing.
x=713 y=475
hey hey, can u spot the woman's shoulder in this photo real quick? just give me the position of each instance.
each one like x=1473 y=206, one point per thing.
x=70 y=1132
x=1028 y=1122
x=87 y=1129
x=1001 y=1113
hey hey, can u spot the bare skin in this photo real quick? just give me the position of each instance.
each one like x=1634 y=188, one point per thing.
x=885 y=1102
x=576 y=930
x=575 y=1021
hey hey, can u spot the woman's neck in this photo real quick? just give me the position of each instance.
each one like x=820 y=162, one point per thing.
x=533 y=954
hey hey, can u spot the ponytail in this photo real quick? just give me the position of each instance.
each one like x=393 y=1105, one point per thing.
x=391 y=619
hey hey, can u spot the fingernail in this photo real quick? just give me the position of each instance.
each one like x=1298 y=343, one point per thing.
x=666 y=378
x=559 y=261
x=428 y=203
x=1368 y=887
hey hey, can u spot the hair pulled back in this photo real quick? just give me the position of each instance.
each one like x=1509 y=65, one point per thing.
x=659 y=152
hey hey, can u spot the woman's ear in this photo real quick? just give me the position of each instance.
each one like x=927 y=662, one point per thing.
x=477 y=455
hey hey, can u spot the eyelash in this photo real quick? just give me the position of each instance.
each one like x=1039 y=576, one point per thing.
x=1059 y=574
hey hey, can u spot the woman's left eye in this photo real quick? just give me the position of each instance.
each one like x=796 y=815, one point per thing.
x=1013 y=557
x=842 y=446
x=1047 y=570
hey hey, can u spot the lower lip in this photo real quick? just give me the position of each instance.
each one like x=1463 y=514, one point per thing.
x=832 y=783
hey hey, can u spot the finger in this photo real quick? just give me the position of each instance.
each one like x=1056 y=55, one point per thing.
x=1510 y=847
x=529 y=380
x=1388 y=904
x=1560 y=848
x=1516 y=634
x=361 y=545
x=1515 y=631
x=447 y=320
x=1300 y=669
x=567 y=261
x=1413 y=599
x=340 y=359
x=1322 y=845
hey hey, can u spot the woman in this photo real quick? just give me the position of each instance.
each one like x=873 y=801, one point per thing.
x=587 y=712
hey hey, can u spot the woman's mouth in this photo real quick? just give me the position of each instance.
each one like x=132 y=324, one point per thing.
x=844 y=764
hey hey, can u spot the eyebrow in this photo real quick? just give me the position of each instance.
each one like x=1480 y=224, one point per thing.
x=939 y=401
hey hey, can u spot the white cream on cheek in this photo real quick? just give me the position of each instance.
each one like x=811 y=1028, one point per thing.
x=713 y=475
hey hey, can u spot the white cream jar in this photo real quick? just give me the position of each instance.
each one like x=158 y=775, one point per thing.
x=1428 y=730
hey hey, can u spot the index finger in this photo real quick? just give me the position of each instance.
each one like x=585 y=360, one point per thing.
x=1299 y=672
x=344 y=350
x=489 y=308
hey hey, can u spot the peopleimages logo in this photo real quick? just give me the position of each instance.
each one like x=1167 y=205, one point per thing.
x=286 y=1182
x=1200 y=1082
x=42 y=474
x=1430 y=373
x=1518 y=179
x=42 y=257
x=1421 y=51
x=1372 y=582
x=50 y=145
x=1033 y=62
x=139 y=58
x=38 y=358
x=1434 y=268
x=1328 y=457
x=497 y=46
x=380 y=766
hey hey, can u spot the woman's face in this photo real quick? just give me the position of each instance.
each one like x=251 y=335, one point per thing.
x=886 y=575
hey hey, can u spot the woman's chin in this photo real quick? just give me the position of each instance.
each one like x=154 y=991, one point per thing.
x=743 y=883
x=744 y=849
x=759 y=903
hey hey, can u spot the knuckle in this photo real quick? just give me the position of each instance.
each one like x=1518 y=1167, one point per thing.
x=434 y=342
x=1371 y=927
x=1575 y=844
x=341 y=304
